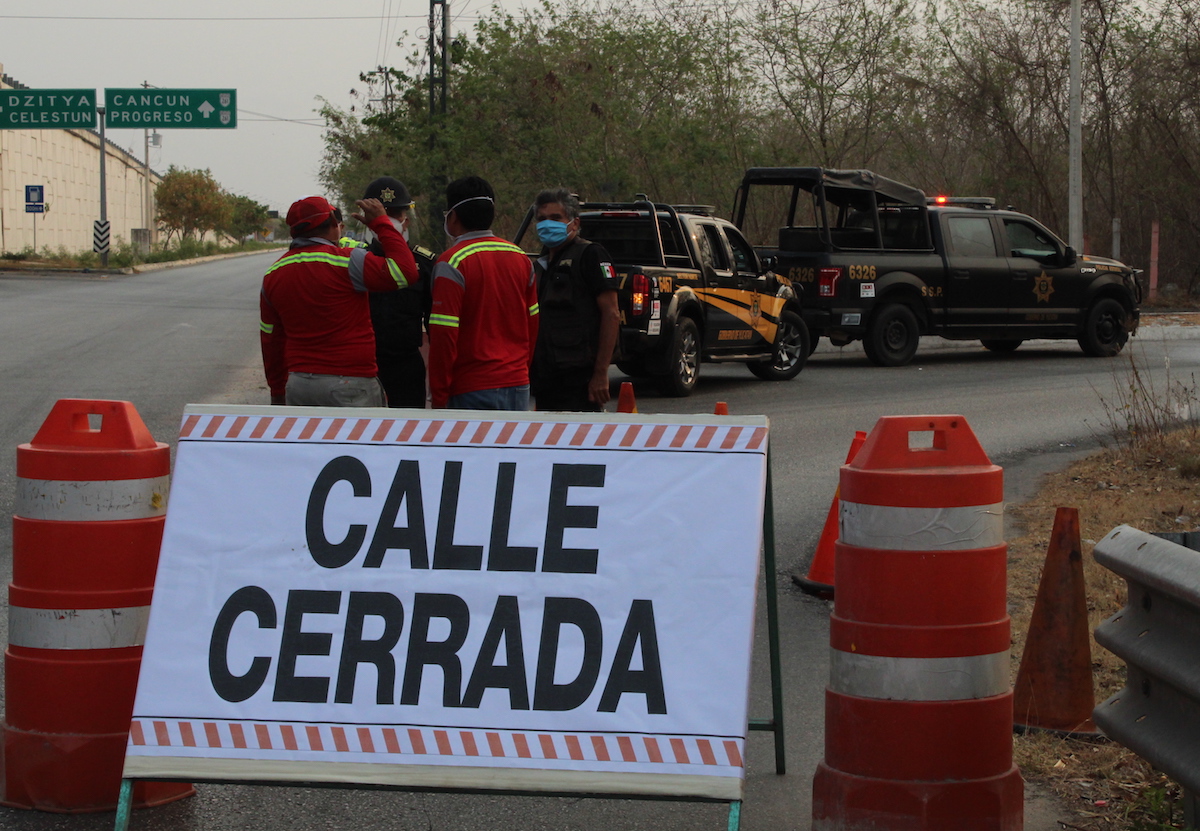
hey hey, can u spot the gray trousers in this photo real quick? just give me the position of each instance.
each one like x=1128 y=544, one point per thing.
x=307 y=389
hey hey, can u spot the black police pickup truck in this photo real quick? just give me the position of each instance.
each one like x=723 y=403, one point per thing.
x=878 y=262
x=692 y=290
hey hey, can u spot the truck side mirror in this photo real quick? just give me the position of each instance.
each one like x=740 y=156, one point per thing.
x=768 y=263
x=1070 y=256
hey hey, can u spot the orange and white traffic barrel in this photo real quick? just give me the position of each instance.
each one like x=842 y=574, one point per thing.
x=918 y=711
x=89 y=512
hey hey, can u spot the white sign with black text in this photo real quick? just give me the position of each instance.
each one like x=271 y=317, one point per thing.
x=453 y=599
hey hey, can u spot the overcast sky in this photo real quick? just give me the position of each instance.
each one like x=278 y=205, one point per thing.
x=280 y=56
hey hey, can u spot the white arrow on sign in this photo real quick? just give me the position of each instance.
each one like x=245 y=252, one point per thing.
x=207 y=109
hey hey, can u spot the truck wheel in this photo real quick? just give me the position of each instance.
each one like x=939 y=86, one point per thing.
x=1000 y=345
x=684 y=365
x=791 y=350
x=893 y=337
x=1105 y=331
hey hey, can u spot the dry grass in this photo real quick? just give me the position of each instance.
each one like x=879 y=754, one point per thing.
x=1147 y=481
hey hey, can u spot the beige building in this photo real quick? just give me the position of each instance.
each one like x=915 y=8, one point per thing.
x=67 y=164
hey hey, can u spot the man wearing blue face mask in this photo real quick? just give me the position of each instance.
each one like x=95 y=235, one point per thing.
x=577 y=299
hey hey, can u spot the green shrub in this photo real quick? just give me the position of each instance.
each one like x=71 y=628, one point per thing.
x=125 y=254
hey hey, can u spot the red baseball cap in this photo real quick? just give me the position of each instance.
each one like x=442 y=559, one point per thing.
x=308 y=213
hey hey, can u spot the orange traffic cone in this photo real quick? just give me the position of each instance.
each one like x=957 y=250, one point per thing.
x=1053 y=691
x=626 y=402
x=819 y=581
x=721 y=409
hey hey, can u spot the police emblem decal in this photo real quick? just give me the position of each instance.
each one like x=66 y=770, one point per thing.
x=387 y=195
x=1043 y=287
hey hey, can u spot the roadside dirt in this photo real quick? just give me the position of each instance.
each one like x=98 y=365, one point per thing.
x=1146 y=479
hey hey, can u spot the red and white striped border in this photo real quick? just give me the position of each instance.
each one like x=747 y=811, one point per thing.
x=443 y=742
x=474 y=433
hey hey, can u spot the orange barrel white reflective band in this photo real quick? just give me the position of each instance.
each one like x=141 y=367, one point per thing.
x=921 y=529
x=77 y=628
x=919 y=679
x=99 y=501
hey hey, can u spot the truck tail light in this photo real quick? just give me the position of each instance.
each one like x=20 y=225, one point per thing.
x=827 y=279
x=639 y=295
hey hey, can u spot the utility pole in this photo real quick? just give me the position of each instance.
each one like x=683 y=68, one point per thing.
x=148 y=198
x=147 y=212
x=439 y=60
x=1075 y=162
x=387 y=100
x=439 y=71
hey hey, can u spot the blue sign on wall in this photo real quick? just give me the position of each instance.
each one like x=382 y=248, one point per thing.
x=35 y=194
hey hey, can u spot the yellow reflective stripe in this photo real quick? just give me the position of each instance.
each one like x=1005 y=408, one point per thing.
x=266 y=328
x=478 y=247
x=444 y=320
x=534 y=309
x=397 y=274
x=311 y=257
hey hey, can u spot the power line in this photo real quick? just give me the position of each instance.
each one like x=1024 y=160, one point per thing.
x=288 y=120
x=384 y=14
x=310 y=122
x=116 y=18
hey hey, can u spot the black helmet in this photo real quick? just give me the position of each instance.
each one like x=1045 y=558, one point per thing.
x=391 y=192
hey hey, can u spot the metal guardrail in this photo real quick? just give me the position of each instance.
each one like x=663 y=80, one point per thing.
x=1157 y=634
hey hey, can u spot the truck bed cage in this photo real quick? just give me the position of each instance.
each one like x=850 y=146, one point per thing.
x=640 y=205
x=841 y=201
x=813 y=179
x=645 y=252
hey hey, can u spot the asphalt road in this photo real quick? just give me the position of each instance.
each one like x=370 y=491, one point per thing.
x=164 y=339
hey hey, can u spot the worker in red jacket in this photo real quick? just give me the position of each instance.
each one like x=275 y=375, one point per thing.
x=317 y=343
x=484 y=321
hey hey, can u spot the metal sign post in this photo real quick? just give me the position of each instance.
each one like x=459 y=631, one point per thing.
x=102 y=226
x=35 y=198
x=35 y=210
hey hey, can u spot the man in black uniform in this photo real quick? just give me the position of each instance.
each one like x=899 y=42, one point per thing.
x=399 y=322
x=577 y=303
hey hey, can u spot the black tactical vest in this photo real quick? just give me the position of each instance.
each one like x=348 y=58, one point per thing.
x=569 y=319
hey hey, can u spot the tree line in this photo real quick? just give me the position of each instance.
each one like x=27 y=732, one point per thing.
x=190 y=203
x=957 y=97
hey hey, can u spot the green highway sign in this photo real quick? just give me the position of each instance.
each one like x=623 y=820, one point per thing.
x=47 y=109
x=203 y=109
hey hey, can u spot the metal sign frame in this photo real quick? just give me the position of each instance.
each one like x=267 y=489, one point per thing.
x=773 y=724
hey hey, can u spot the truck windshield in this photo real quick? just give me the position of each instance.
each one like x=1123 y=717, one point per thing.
x=1024 y=240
